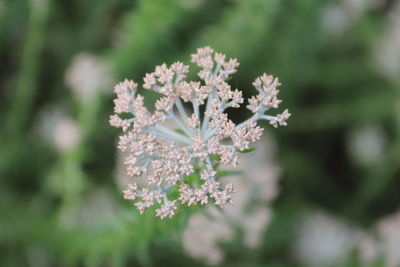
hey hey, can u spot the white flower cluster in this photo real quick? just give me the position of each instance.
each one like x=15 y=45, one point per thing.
x=202 y=140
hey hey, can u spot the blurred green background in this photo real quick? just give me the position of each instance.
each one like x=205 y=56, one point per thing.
x=339 y=157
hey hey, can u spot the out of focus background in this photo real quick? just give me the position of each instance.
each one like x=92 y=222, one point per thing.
x=323 y=191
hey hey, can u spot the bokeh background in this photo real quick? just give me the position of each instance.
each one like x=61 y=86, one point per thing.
x=323 y=191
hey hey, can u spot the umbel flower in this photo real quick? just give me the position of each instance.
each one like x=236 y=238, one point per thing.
x=185 y=160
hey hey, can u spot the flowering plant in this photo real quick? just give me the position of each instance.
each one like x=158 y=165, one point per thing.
x=203 y=140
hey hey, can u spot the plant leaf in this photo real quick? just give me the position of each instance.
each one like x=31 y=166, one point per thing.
x=227 y=173
x=248 y=150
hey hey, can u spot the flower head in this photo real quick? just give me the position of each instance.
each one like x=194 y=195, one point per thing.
x=200 y=141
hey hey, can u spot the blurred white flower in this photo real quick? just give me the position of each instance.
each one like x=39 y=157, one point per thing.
x=338 y=17
x=203 y=235
x=384 y=241
x=360 y=6
x=323 y=240
x=366 y=145
x=387 y=49
x=87 y=76
x=67 y=134
x=254 y=225
x=368 y=248
x=334 y=19
x=251 y=212
x=56 y=127
x=389 y=237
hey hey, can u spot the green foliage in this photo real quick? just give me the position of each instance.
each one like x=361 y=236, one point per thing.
x=50 y=209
